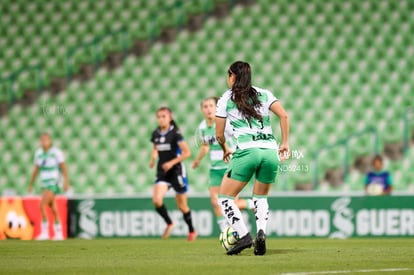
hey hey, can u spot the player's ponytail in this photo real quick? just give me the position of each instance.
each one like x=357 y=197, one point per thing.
x=172 y=122
x=243 y=94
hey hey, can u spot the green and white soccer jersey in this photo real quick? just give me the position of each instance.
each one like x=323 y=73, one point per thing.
x=259 y=133
x=49 y=166
x=207 y=135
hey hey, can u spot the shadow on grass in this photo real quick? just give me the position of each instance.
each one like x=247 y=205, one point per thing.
x=282 y=251
x=249 y=252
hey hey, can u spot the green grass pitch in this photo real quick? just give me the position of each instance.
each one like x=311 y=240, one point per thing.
x=205 y=256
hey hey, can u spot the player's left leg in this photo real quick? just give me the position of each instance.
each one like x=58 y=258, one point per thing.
x=180 y=184
x=160 y=189
x=265 y=176
x=53 y=207
x=47 y=197
x=260 y=192
x=182 y=204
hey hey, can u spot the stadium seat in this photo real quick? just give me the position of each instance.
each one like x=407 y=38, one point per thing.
x=337 y=68
x=56 y=27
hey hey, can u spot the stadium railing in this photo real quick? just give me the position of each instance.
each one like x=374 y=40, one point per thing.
x=94 y=44
x=9 y=81
x=408 y=117
x=345 y=144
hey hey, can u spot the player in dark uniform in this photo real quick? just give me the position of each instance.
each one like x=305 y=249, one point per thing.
x=171 y=149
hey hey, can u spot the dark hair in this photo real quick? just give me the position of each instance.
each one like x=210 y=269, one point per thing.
x=214 y=98
x=376 y=157
x=243 y=94
x=165 y=108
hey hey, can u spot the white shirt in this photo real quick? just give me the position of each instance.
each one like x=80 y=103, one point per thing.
x=257 y=135
x=49 y=163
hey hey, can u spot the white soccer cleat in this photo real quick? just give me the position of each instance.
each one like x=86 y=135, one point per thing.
x=42 y=237
x=58 y=237
x=58 y=232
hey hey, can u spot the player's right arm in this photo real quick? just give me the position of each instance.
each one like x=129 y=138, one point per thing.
x=33 y=177
x=154 y=155
x=203 y=151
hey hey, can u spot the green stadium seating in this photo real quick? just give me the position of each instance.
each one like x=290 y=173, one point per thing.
x=43 y=32
x=337 y=67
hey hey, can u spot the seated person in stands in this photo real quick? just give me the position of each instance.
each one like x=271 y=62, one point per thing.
x=378 y=182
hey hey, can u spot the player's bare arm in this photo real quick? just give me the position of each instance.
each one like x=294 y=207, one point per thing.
x=278 y=110
x=33 y=177
x=202 y=152
x=221 y=139
x=64 y=169
x=154 y=155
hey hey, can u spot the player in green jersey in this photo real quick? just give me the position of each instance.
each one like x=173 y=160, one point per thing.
x=209 y=144
x=248 y=108
x=50 y=162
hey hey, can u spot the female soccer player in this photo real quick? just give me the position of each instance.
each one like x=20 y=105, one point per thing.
x=171 y=149
x=50 y=161
x=207 y=132
x=247 y=109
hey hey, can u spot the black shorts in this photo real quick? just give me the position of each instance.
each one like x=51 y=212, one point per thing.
x=174 y=178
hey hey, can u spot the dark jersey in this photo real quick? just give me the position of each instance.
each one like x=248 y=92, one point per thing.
x=167 y=147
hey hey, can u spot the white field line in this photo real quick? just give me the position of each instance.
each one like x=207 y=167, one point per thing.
x=348 y=271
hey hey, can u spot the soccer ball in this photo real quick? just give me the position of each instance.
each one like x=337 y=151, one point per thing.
x=228 y=238
x=375 y=189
